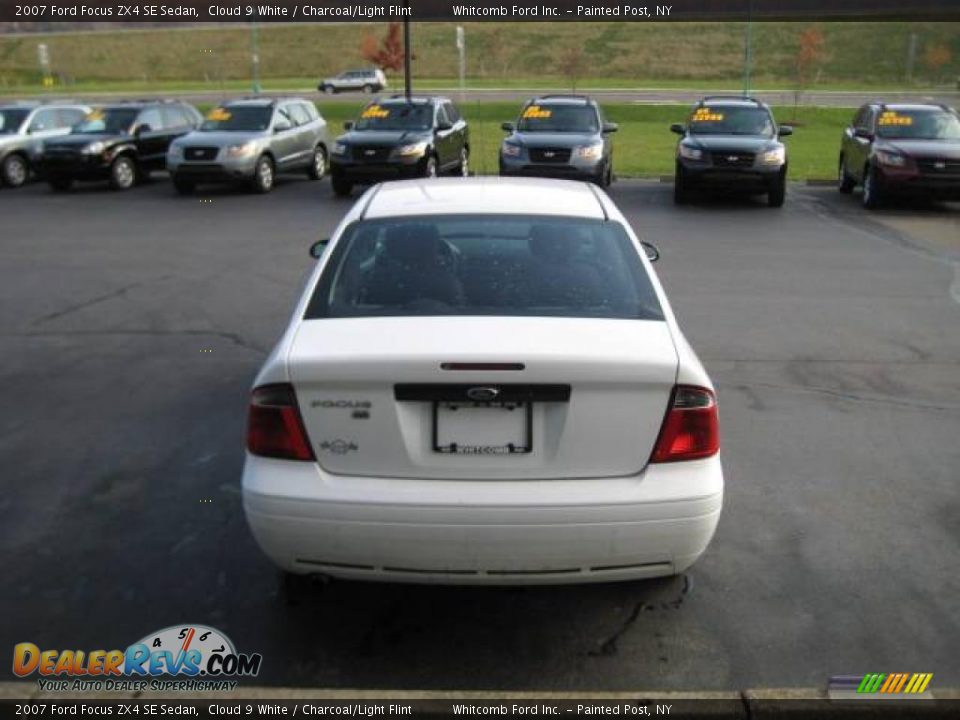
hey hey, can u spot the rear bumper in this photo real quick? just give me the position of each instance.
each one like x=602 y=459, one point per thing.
x=491 y=532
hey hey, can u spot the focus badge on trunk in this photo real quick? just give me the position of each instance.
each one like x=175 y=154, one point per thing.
x=483 y=394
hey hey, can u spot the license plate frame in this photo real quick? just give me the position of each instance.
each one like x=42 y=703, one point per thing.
x=523 y=446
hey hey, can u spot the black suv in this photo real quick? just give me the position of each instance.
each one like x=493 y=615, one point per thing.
x=120 y=143
x=901 y=149
x=561 y=136
x=400 y=137
x=731 y=143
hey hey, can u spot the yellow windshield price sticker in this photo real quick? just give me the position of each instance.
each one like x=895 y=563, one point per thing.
x=707 y=115
x=535 y=112
x=375 y=112
x=890 y=117
x=218 y=115
x=95 y=115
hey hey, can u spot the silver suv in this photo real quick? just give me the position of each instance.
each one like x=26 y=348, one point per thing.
x=24 y=127
x=369 y=81
x=250 y=141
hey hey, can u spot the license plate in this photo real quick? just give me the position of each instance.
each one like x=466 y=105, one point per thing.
x=467 y=428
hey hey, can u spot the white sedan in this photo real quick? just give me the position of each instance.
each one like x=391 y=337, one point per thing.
x=483 y=383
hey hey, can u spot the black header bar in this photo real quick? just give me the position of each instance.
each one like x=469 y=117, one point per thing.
x=191 y=11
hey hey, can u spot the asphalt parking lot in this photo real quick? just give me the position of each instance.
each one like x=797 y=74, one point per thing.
x=131 y=327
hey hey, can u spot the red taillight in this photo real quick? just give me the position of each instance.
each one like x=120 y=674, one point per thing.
x=274 y=426
x=691 y=429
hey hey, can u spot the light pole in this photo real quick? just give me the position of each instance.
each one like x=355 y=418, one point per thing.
x=255 y=57
x=406 y=49
x=748 y=50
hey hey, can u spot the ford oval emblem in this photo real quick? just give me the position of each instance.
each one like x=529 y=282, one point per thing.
x=483 y=394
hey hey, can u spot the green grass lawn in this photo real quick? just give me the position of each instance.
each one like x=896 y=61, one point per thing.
x=644 y=143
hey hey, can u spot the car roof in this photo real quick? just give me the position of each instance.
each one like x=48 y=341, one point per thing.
x=731 y=101
x=485 y=195
x=915 y=107
x=561 y=99
x=415 y=99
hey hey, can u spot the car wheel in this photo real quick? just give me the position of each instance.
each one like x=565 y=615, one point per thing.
x=16 y=171
x=341 y=186
x=263 y=175
x=872 y=189
x=123 y=173
x=329 y=89
x=318 y=168
x=183 y=186
x=430 y=168
x=367 y=89
x=778 y=191
x=608 y=180
x=60 y=183
x=463 y=169
x=681 y=193
x=845 y=183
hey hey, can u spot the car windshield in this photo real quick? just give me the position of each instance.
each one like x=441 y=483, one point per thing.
x=237 y=119
x=558 y=119
x=395 y=116
x=113 y=121
x=485 y=265
x=919 y=124
x=11 y=119
x=727 y=120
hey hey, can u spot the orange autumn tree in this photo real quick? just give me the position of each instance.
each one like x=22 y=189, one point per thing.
x=935 y=57
x=810 y=54
x=386 y=53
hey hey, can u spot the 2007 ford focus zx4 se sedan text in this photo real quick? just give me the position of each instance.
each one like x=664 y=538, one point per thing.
x=483 y=383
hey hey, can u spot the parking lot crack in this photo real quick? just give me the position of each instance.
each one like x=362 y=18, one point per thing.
x=232 y=337
x=853 y=397
x=95 y=300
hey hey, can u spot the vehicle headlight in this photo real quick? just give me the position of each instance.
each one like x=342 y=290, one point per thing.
x=590 y=152
x=94 y=148
x=175 y=152
x=242 y=150
x=690 y=153
x=510 y=150
x=890 y=159
x=412 y=150
x=777 y=156
x=339 y=148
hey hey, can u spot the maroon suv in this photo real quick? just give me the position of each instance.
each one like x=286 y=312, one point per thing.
x=901 y=149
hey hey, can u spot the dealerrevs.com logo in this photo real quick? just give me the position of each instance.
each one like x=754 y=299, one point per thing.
x=178 y=658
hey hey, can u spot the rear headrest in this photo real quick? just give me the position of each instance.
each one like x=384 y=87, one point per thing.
x=412 y=242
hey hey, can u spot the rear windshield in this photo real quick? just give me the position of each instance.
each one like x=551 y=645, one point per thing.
x=559 y=118
x=485 y=265
x=11 y=119
x=237 y=119
x=727 y=120
x=919 y=124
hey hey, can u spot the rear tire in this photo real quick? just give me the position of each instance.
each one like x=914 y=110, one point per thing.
x=341 y=186
x=318 y=166
x=329 y=89
x=263 y=175
x=60 y=183
x=681 y=192
x=845 y=183
x=778 y=190
x=872 y=189
x=184 y=186
x=431 y=169
x=123 y=173
x=16 y=170
x=367 y=89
